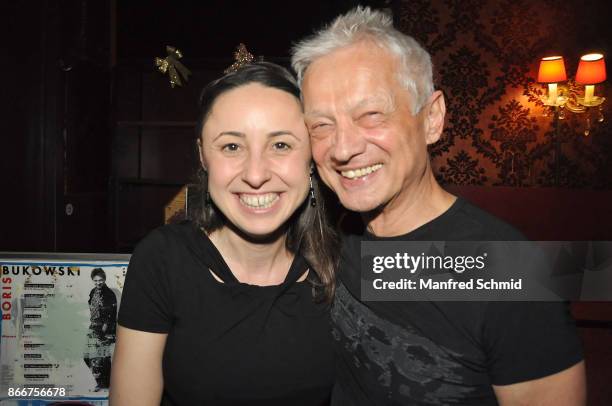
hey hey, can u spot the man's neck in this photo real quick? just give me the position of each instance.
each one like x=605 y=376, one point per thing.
x=414 y=207
x=252 y=262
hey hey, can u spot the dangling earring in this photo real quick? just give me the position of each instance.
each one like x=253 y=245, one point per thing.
x=207 y=199
x=313 y=199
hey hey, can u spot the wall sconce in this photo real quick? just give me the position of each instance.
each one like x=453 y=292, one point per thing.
x=591 y=71
x=552 y=71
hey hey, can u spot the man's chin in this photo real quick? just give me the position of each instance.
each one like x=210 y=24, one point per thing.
x=359 y=204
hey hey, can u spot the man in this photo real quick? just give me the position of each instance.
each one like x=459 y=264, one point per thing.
x=371 y=111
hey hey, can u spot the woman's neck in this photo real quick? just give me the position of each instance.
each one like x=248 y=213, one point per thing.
x=253 y=262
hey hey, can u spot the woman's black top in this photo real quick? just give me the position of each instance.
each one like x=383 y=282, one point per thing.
x=228 y=343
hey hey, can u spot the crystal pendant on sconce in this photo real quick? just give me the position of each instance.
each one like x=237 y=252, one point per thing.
x=561 y=113
x=600 y=117
x=587 y=130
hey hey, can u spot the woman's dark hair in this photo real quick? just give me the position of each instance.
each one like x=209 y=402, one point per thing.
x=98 y=272
x=309 y=230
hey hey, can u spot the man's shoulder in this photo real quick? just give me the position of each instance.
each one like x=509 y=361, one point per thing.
x=470 y=222
x=463 y=221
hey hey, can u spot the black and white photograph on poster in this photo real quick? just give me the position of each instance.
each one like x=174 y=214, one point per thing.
x=101 y=333
x=59 y=319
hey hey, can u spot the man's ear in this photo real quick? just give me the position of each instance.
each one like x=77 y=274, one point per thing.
x=434 y=117
x=201 y=154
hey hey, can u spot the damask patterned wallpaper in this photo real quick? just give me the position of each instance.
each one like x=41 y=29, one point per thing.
x=486 y=55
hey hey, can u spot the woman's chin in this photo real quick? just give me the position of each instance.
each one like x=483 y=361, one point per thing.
x=262 y=234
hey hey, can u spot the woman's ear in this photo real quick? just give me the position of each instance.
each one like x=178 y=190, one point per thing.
x=434 y=117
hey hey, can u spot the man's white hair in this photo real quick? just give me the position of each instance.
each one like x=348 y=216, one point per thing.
x=363 y=23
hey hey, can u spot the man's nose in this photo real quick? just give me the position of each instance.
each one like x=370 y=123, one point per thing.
x=347 y=143
x=256 y=171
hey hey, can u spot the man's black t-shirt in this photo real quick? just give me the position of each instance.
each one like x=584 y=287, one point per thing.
x=228 y=343
x=443 y=353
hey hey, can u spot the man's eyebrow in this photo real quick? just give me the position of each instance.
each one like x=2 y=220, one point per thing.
x=387 y=102
x=316 y=113
x=232 y=133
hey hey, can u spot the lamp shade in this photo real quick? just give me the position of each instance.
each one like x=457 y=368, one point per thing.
x=552 y=70
x=591 y=70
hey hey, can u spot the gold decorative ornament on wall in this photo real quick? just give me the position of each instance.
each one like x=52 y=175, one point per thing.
x=173 y=66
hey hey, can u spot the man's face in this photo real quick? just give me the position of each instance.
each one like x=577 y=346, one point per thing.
x=369 y=148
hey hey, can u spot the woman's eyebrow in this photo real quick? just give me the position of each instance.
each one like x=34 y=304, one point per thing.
x=232 y=133
x=281 y=132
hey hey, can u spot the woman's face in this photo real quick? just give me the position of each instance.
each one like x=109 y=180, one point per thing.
x=256 y=150
x=98 y=281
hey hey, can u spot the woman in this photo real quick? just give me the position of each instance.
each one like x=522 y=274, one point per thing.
x=222 y=310
x=101 y=333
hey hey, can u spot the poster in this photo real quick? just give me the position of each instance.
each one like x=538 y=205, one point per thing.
x=58 y=327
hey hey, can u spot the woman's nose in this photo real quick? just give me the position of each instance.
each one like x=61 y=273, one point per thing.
x=256 y=171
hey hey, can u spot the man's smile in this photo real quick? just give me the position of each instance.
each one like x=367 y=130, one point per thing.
x=360 y=172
